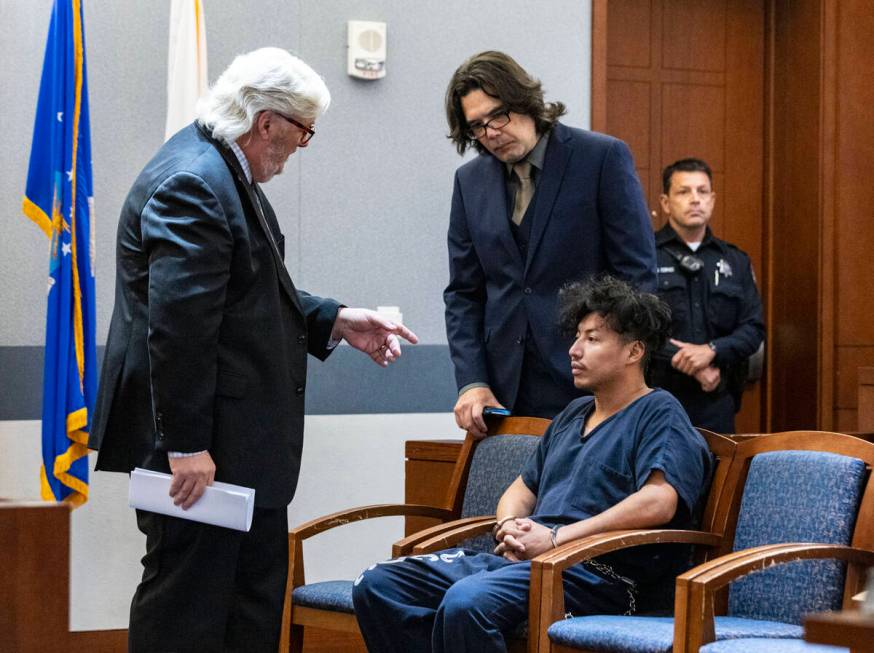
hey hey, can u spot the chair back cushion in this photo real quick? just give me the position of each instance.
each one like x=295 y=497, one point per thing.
x=496 y=463
x=796 y=496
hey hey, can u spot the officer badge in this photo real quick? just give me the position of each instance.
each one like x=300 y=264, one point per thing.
x=724 y=267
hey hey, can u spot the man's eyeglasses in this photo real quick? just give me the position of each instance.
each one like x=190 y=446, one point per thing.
x=309 y=132
x=497 y=121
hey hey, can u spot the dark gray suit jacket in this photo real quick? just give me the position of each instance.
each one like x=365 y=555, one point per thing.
x=208 y=342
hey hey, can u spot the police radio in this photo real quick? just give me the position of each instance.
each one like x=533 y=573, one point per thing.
x=688 y=263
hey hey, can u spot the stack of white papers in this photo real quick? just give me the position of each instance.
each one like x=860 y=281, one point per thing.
x=222 y=504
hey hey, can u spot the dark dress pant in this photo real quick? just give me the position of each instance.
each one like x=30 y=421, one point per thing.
x=709 y=410
x=207 y=588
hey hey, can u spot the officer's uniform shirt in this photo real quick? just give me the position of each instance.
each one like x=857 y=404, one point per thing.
x=720 y=305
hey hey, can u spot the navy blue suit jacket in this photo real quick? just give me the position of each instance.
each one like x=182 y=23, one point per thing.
x=589 y=216
x=208 y=343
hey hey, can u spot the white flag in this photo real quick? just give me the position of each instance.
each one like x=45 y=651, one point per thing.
x=186 y=63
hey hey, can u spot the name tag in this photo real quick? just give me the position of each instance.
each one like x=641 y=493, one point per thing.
x=666 y=270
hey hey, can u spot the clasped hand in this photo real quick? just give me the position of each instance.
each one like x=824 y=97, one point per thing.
x=522 y=539
x=691 y=358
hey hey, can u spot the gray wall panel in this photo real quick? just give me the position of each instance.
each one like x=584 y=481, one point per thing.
x=378 y=187
x=364 y=208
x=348 y=383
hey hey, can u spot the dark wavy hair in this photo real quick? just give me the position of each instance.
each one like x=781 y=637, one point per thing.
x=498 y=75
x=634 y=315
x=684 y=165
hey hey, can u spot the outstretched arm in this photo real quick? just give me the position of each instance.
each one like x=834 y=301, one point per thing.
x=371 y=333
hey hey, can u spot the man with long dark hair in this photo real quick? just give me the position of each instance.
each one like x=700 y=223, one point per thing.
x=543 y=205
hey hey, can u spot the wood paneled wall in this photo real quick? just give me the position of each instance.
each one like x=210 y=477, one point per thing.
x=851 y=91
x=781 y=97
x=822 y=238
x=794 y=198
x=683 y=78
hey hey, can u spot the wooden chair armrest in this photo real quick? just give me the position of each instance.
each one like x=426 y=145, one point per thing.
x=405 y=545
x=453 y=536
x=571 y=553
x=715 y=563
x=546 y=604
x=725 y=569
x=696 y=588
x=297 y=535
x=327 y=522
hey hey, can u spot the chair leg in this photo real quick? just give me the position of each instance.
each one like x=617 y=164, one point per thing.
x=295 y=645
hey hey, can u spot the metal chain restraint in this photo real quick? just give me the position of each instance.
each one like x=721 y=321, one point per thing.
x=630 y=585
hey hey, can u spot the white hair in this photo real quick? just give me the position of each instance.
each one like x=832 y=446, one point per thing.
x=264 y=79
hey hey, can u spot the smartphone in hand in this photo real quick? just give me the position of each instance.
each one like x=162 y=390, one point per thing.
x=494 y=410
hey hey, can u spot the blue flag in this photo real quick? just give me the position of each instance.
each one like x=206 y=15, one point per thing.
x=58 y=198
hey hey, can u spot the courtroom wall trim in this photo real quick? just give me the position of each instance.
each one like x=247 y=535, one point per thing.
x=348 y=383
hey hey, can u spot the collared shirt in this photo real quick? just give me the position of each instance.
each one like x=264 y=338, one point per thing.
x=536 y=158
x=244 y=162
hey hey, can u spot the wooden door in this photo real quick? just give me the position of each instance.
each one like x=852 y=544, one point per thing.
x=678 y=78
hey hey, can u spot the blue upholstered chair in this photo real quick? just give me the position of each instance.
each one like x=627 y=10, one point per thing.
x=531 y=635
x=769 y=645
x=795 y=530
x=484 y=470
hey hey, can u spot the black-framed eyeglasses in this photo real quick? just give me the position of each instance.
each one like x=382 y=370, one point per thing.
x=309 y=132
x=497 y=121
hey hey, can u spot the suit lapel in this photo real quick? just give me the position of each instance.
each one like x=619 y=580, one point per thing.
x=256 y=203
x=554 y=165
x=262 y=206
x=496 y=215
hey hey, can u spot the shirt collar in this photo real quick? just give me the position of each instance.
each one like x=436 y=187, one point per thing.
x=536 y=156
x=241 y=157
x=667 y=234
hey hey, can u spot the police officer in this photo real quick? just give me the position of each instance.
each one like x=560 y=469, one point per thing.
x=716 y=310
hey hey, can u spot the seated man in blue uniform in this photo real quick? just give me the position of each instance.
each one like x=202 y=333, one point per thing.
x=624 y=458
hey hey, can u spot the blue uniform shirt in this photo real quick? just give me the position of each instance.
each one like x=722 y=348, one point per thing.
x=577 y=477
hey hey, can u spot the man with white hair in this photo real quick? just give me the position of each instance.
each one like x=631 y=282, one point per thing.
x=205 y=364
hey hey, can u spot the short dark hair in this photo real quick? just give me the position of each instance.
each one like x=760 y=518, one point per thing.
x=633 y=314
x=684 y=165
x=498 y=75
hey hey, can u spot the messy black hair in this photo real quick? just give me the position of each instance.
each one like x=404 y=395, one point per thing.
x=634 y=315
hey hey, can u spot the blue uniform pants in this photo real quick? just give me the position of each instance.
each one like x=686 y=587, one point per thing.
x=462 y=600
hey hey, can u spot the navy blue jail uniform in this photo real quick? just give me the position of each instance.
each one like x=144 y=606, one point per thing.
x=465 y=600
x=718 y=304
